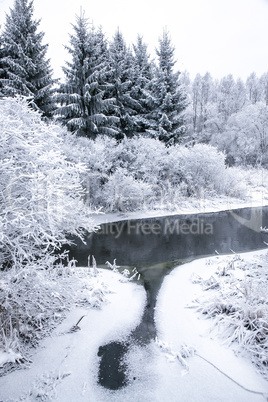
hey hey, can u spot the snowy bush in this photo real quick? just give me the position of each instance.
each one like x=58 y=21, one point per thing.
x=41 y=203
x=41 y=194
x=123 y=192
x=142 y=173
x=33 y=301
x=202 y=168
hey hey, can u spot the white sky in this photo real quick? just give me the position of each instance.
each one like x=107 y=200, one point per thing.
x=219 y=36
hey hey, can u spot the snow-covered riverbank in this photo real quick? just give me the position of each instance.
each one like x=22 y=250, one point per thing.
x=65 y=365
x=256 y=197
x=185 y=363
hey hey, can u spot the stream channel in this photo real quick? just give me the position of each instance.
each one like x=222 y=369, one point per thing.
x=155 y=246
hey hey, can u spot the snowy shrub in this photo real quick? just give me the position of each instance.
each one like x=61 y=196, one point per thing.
x=41 y=194
x=142 y=173
x=202 y=168
x=123 y=192
x=29 y=299
x=254 y=178
x=239 y=307
x=143 y=157
x=33 y=301
x=98 y=155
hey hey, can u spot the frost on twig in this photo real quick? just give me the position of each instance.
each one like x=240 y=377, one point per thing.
x=113 y=266
x=206 y=284
x=126 y=275
x=44 y=387
x=181 y=356
x=93 y=269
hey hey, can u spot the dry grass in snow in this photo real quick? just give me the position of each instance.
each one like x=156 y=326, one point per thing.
x=235 y=297
x=34 y=301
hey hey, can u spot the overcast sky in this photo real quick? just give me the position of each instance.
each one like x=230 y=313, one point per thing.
x=219 y=36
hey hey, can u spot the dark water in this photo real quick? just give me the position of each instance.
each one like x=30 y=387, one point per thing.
x=147 y=242
x=155 y=246
x=112 y=368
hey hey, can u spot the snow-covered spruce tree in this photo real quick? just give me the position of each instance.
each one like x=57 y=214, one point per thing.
x=41 y=195
x=121 y=80
x=143 y=75
x=170 y=96
x=2 y=71
x=26 y=70
x=83 y=97
x=140 y=91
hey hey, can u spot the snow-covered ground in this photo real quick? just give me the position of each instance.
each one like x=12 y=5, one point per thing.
x=186 y=363
x=65 y=365
x=256 y=196
x=179 y=325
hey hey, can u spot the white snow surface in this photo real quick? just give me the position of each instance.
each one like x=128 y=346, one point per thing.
x=256 y=197
x=65 y=365
x=180 y=325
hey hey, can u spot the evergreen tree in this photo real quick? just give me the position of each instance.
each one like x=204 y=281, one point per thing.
x=2 y=71
x=26 y=71
x=143 y=75
x=121 y=79
x=170 y=96
x=83 y=97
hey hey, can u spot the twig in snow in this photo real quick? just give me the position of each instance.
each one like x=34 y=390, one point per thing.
x=76 y=326
x=230 y=378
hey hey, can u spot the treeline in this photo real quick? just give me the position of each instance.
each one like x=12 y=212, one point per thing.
x=116 y=90
x=231 y=115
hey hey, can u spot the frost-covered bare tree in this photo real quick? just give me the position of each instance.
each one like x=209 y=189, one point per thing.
x=245 y=138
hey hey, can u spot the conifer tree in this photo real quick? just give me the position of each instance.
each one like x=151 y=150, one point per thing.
x=121 y=79
x=170 y=96
x=143 y=75
x=26 y=71
x=84 y=106
x=2 y=71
